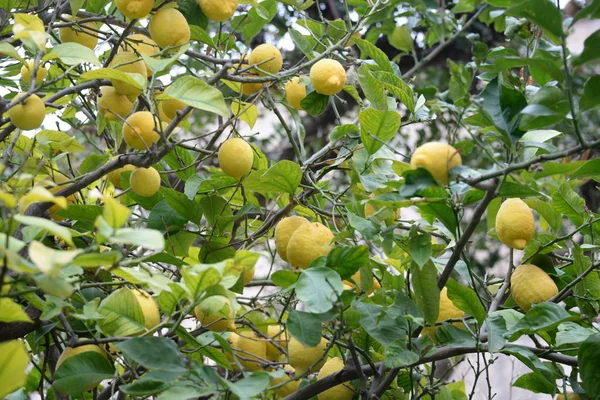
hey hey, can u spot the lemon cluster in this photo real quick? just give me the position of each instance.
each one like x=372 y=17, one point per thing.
x=300 y=242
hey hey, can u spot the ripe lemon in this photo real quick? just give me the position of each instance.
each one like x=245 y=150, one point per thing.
x=302 y=358
x=134 y=9
x=129 y=62
x=113 y=105
x=140 y=44
x=342 y=391
x=149 y=309
x=447 y=311
x=115 y=176
x=277 y=335
x=169 y=108
x=28 y=114
x=249 y=88
x=250 y=349
x=147 y=306
x=139 y=130
x=284 y=230
x=267 y=59
x=530 y=284
x=295 y=92
x=168 y=27
x=290 y=387
x=515 y=225
x=236 y=157
x=145 y=182
x=222 y=320
x=356 y=278
x=27 y=70
x=437 y=158
x=218 y=10
x=73 y=351
x=83 y=33
x=309 y=242
x=328 y=76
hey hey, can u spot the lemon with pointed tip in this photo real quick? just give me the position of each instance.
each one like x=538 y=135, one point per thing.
x=128 y=62
x=437 y=158
x=140 y=44
x=302 y=358
x=222 y=320
x=328 y=76
x=81 y=33
x=447 y=311
x=113 y=105
x=140 y=130
x=145 y=182
x=307 y=243
x=266 y=58
x=168 y=27
x=29 y=113
x=529 y=284
x=290 y=386
x=283 y=232
x=27 y=70
x=218 y=10
x=134 y=9
x=115 y=176
x=515 y=225
x=236 y=157
x=295 y=92
x=342 y=391
x=73 y=351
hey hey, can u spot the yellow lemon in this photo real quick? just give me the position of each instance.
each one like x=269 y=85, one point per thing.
x=328 y=76
x=437 y=158
x=342 y=391
x=145 y=182
x=28 y=114
x=249 y=88
x=129 y=62
x=291 y=386
x=149 y=309
x=168 y=27
x=283 y=232
x=356 y=278
x=221 y=321
x=250 y=349
x=515 y=225
x=295 y=92
x=278 y=335
x=267 y=59
x=236 y=157
x=73 y=351
x=530 y=284
x=447 y=311
x=113 y=105
x=83 y=34
x=27 y=70
x=169 y=108
x=115 y=176
x=302 y=358
x=218 y=10
x=309 y=242
x=140 y=130
x=140 y=44
x=134 y=9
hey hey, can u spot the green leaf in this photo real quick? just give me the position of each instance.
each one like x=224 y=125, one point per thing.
x=47 y=225
x=346 y=261
x=466 y=299
x=122 y=313
x=419 y=247
x=543 y=70
x=496 y=332
x=283 y=177
x=384 y=324
x=460 y=81
x=546 y=211
x=12 y=312
x=590 y=168
x=372 y=88
x=165 y=354
x=81 y=371
x=315 y=103
x=377 y=128
x=542 y=316
x=570 y=332
x=251 y=385
x=369 y=50
x=589 y=365
x=401 y=39
x=73 y=54
x=398 y=88
x=198 y=94
x=302 y=43
x=513 y=189
x=13 y=363
x=198 y=278
x=135 y=80
x=397 y=355
x=163 y=218
x=188 y=209
x=427 y=294
x=304 y=327
x=587 y=291
x=569 y=203
x=180 y=159
x=146 y=238
x=547 y=107
x=591 y=94
x=59 y=142
x=591 y=52
x=541 y=12
x=319 y=288
x=415 y=181
x=200 y=35
x=535 y=382
x=503 y=105
x=284 y=278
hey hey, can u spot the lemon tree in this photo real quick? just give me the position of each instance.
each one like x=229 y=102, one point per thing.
x=281 y=199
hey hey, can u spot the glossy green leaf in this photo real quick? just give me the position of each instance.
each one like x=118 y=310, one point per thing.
x=377 y=128
x=81 y=371
x=427 y=294
x=198 y=94
x=466 y=299
x=165 y=354
x=319 y=288
x=589 y=365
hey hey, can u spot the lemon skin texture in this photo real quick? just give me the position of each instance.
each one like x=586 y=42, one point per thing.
x=113 y=105
x=447 y=311
x=277 y=335
x=267 y=59
x=134 y=9
x=27 y=70
x=168 y=27
x=249 y=88
x=145 y=182
x=283 y=232
x=218 y=10
x=115 y=176
x=129 y=62
x=149 y=309
x=295 y=92
x=224 y=320
x=236 y=157
x=140 y=44
x=530 y=284
x=515 y=225
x=328 y=76
x=302 y=358
x=169 y=108
x=83 y=34
x=437 y=158
x=73 y=351
x=356 y=278
x=28 y=114
x=251 y=350
x=139 y=130
x=309 y=242
x=340 y=392
x=290 y=387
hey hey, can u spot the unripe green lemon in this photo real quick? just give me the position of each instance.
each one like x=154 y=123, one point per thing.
x=140 y=130
x=113 y=105
x=27 y=70
x=236 y=157
x=515 y=225
x=134 y=9
x=128 y=62
x=530 y=284
x=328 y=76
x=295 y=92
x=145 y=182
x=168 y=27
x=342 y=391
x=267 y=59
x=28 y=114
x=437 y=158
x=218 y=10
x=307 y=243
x=283 y=232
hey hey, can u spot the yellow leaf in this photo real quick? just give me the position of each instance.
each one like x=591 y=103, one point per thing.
x=245 y=111
x=115 y=213
x=30 y=27
x=12 y=312
x=13 y=362
x=50 y=261
x=7 y=200
x=37 y=194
